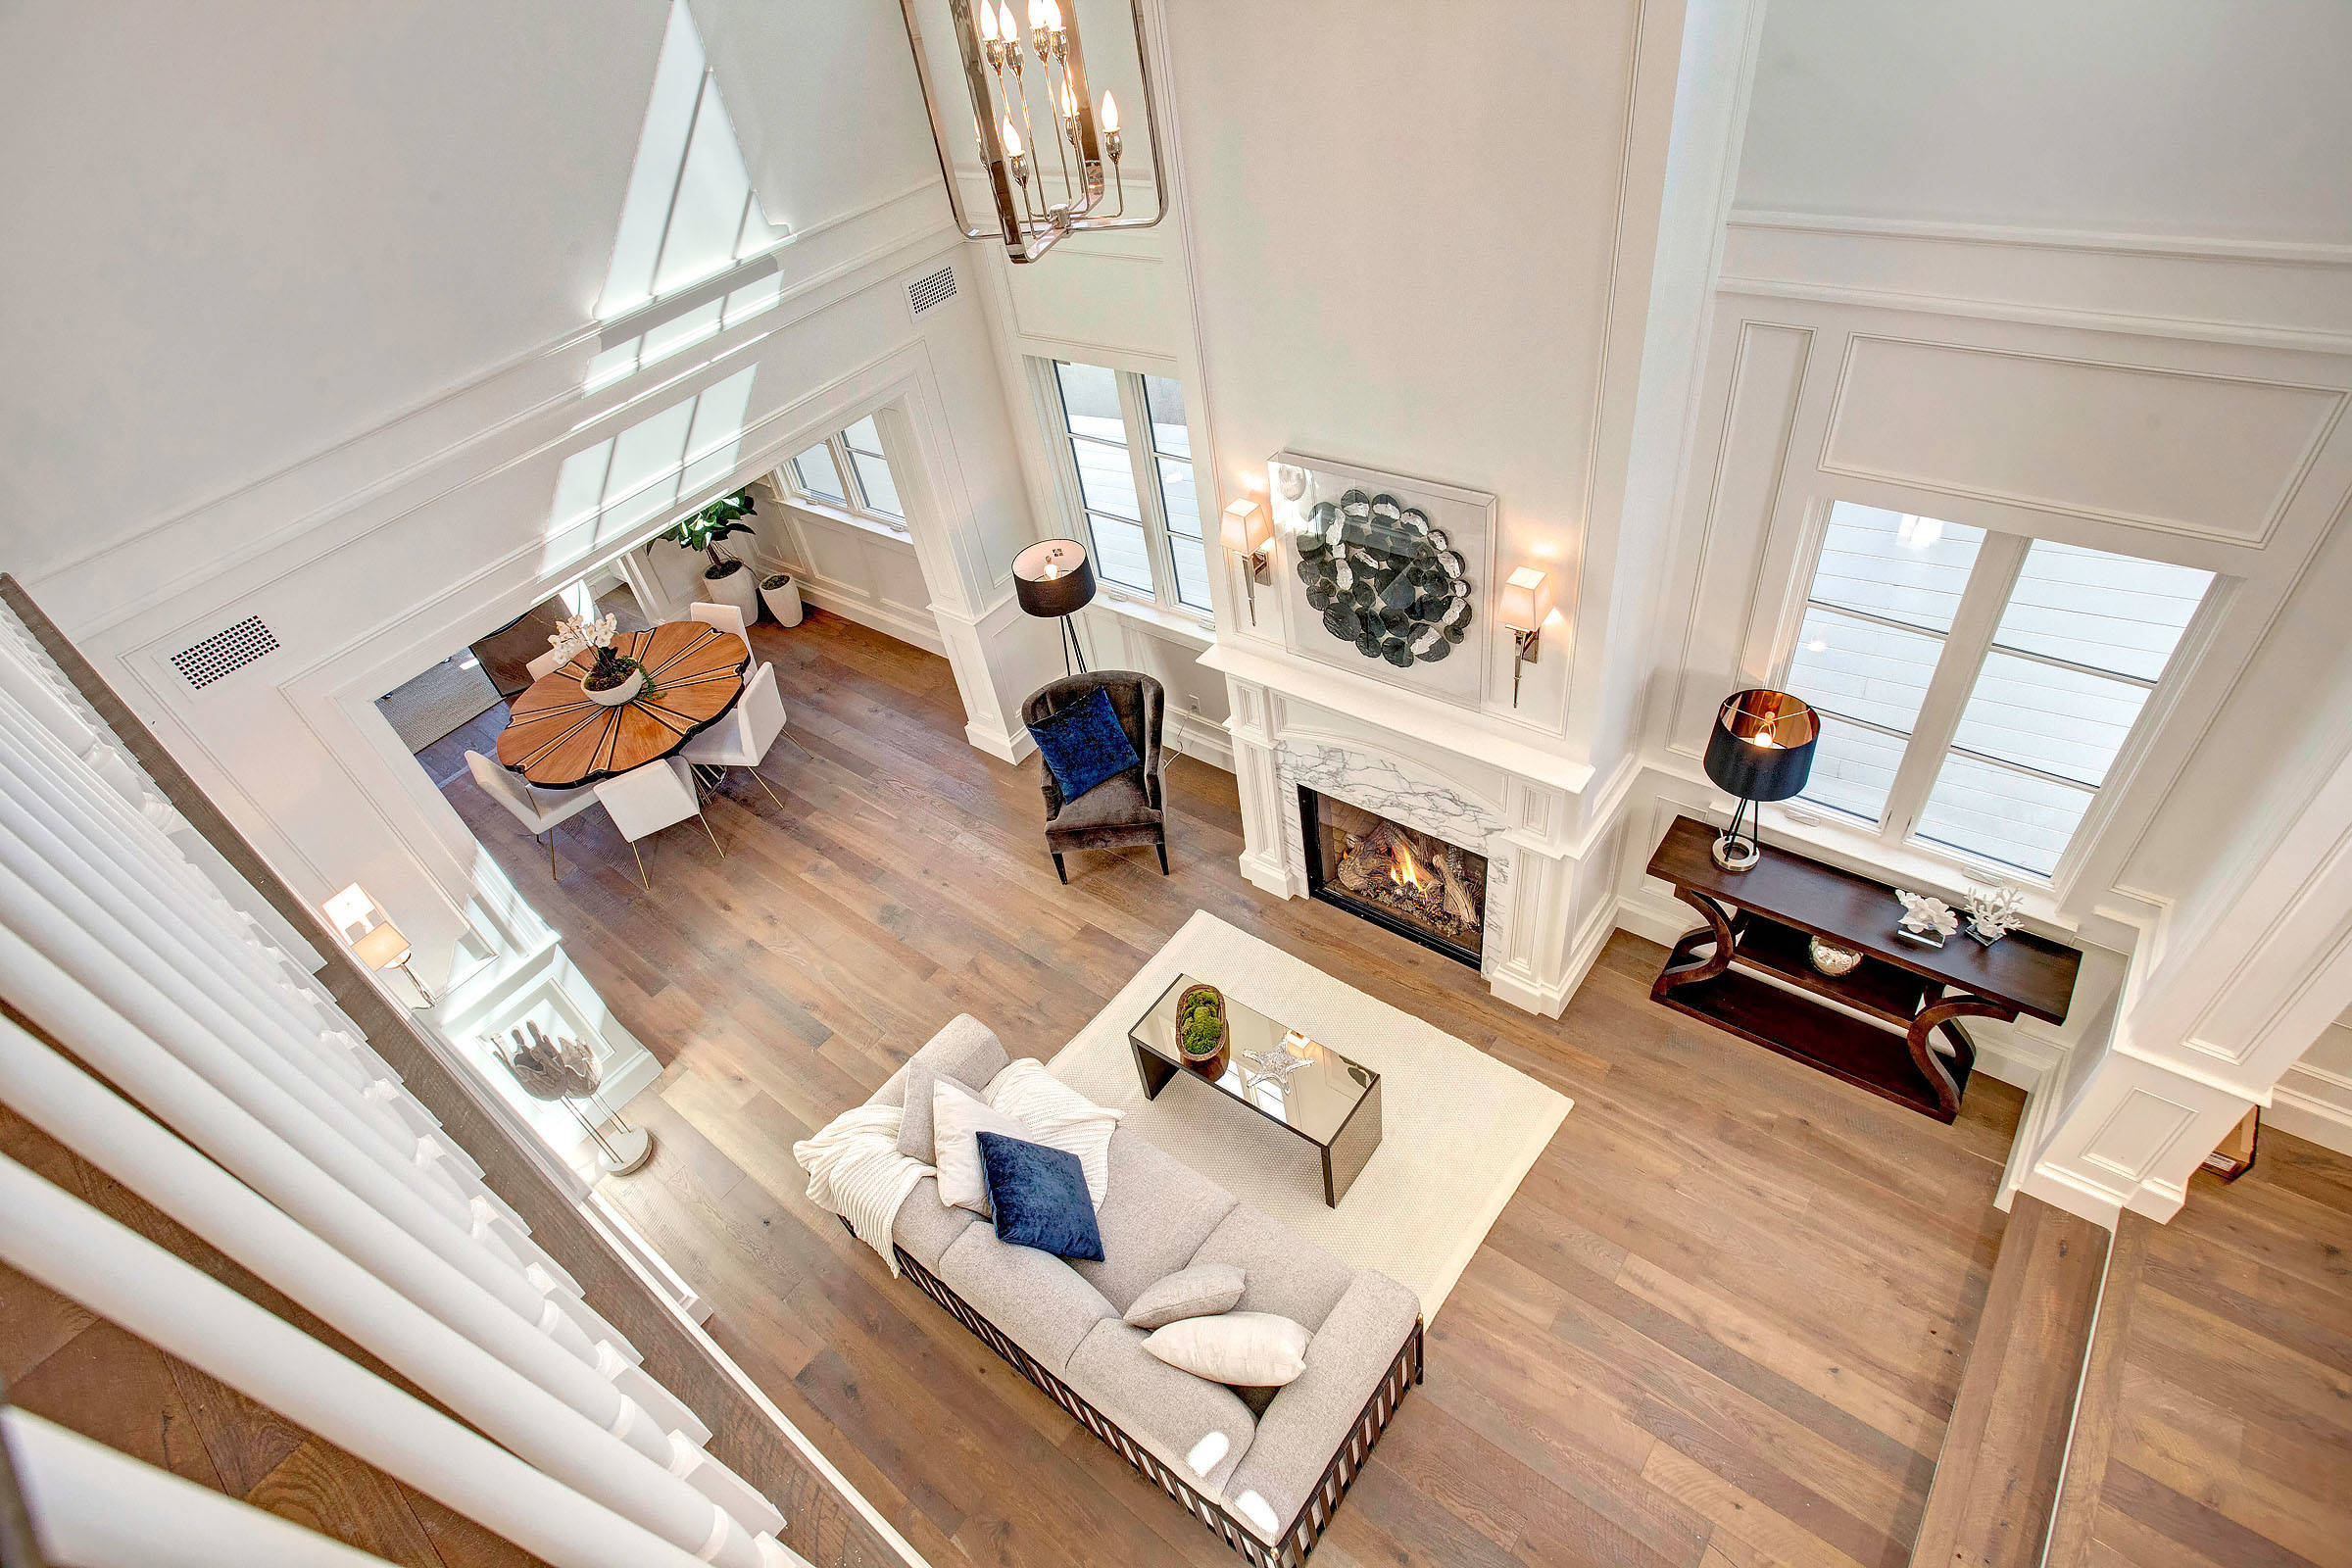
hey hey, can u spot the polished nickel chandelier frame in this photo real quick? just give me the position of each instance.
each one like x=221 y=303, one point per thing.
x=997 y=62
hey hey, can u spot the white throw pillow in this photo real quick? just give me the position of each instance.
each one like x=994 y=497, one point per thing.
x=1059 y=1117
x=957 y=1119
x=1250 y=1350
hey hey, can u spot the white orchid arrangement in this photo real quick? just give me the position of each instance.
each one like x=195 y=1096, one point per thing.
x=581 y=634
x=1926 y=920
x=1994 y=912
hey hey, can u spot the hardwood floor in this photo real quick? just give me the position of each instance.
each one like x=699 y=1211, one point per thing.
x=2219 y=1410
x=1721 y=1322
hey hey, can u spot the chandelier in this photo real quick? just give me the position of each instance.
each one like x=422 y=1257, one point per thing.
x=1028 y=91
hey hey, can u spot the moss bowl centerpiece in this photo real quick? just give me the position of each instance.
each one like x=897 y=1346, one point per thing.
x=1200 y=1029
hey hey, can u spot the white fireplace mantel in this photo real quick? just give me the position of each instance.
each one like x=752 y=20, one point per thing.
x=1453 y=774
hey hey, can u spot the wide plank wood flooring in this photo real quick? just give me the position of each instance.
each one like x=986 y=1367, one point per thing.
x=2219 y=1411
x=1720 y=1324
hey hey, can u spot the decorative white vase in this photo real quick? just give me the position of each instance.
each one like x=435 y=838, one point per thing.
x=615 y=696
x=784 y=603
x=740 y=588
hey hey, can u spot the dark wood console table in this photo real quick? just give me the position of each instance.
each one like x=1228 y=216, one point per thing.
x=1773 y=913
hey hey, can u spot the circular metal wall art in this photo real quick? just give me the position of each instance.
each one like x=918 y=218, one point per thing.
x=1383 y=579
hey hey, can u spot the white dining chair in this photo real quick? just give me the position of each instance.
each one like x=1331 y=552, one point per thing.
x=553 y=659
x=726 y=617
x=743 y=737
x=535 y=808
x=646 y=799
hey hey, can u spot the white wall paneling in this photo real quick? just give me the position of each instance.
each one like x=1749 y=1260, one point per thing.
x=1973 y=372
x=852 y=569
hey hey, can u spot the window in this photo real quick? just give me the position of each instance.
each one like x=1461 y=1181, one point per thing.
x=849 y=471
x=1976 y=689
x=1130 y=471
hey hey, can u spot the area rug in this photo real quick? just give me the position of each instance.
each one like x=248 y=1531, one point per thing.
x=444 y=697
x=1459 y=1129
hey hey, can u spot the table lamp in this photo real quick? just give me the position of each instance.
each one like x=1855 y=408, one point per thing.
x=374 y=939
x=1054 y=579
x=1761 y=749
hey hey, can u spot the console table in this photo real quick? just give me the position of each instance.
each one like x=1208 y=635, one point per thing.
x=1759 y=922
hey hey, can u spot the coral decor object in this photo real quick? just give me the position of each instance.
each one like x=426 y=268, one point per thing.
x=1995 y=912
x=1925 y=921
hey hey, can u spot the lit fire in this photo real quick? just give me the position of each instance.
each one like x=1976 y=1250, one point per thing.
x=1403 y=870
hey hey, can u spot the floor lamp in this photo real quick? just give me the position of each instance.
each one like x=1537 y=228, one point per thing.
x=1054 y=579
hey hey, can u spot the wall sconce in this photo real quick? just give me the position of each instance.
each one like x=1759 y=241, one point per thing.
x=1526 y=606
x=374 y=939
x=1247 y=531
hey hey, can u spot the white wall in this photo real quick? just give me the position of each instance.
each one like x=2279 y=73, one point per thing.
x=2219 y=119
x=286 y=226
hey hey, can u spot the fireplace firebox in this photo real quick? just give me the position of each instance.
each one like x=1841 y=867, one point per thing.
x=1415 y=884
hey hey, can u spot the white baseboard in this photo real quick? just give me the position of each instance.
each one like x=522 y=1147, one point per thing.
x=919 y=630
x=2313 y=1104
x=1200 y=738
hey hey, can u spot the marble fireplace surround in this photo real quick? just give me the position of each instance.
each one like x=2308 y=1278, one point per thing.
x=1438 y=771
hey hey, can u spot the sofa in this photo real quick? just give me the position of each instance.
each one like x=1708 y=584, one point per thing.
x=1266 y=1483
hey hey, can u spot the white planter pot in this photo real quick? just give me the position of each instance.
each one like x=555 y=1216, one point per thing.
x=784 y=603
x=614 y=697
x=740 y=588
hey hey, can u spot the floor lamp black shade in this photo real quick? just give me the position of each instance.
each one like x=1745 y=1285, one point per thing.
x=1760 y=748
x=1054 y=579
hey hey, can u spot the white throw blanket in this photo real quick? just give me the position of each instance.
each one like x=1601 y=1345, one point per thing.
x=855 y=1171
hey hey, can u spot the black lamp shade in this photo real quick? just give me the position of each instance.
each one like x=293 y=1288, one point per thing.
x=1054 y=577
x=1761 y=746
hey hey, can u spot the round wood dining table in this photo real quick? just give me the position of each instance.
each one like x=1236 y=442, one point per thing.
x=559 y=740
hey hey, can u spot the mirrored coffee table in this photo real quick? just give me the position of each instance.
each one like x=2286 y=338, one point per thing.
x=1332 y=1102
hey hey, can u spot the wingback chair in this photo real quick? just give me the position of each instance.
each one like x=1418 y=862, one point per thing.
x=1128 y=809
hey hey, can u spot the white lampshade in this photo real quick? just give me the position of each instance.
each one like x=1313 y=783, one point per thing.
x=351 y=912
x=1527 y=597
x=382 y=947
x=1246 y=526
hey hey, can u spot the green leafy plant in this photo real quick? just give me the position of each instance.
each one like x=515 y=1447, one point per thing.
x=1200 y=1022
x=775 y=580
x=702 y=531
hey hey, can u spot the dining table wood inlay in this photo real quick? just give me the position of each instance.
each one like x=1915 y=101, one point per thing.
x=558 y=739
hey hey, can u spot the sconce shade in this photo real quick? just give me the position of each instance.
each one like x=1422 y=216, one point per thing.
x=1527 y=598
x=381 y=948
x=1246 y=526
x=1054 y=577
x=351 y=912
x=1761 y=747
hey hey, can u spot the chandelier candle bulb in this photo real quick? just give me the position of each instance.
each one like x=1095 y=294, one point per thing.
x=1084 y=128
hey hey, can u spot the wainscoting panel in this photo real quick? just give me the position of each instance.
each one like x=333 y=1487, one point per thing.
x=2206 y=455
x=860 y=572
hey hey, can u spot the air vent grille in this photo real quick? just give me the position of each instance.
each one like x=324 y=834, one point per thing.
x=937 y=289
x=225 y=653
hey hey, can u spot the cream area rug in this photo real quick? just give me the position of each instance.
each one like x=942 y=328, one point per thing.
x=1459 y=1129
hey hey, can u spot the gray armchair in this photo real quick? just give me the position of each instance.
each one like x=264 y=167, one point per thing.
x=1126 y=809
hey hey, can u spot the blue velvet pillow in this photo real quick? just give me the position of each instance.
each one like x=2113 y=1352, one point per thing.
x=1085 y=744
x=1039 y=1198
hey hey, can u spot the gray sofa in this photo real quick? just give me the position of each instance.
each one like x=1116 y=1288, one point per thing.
x=1269 y=1485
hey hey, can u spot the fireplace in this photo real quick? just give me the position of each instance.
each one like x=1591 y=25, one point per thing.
x=1413 y=883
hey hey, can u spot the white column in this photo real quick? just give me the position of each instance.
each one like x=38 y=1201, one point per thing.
x=2211 y=1023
